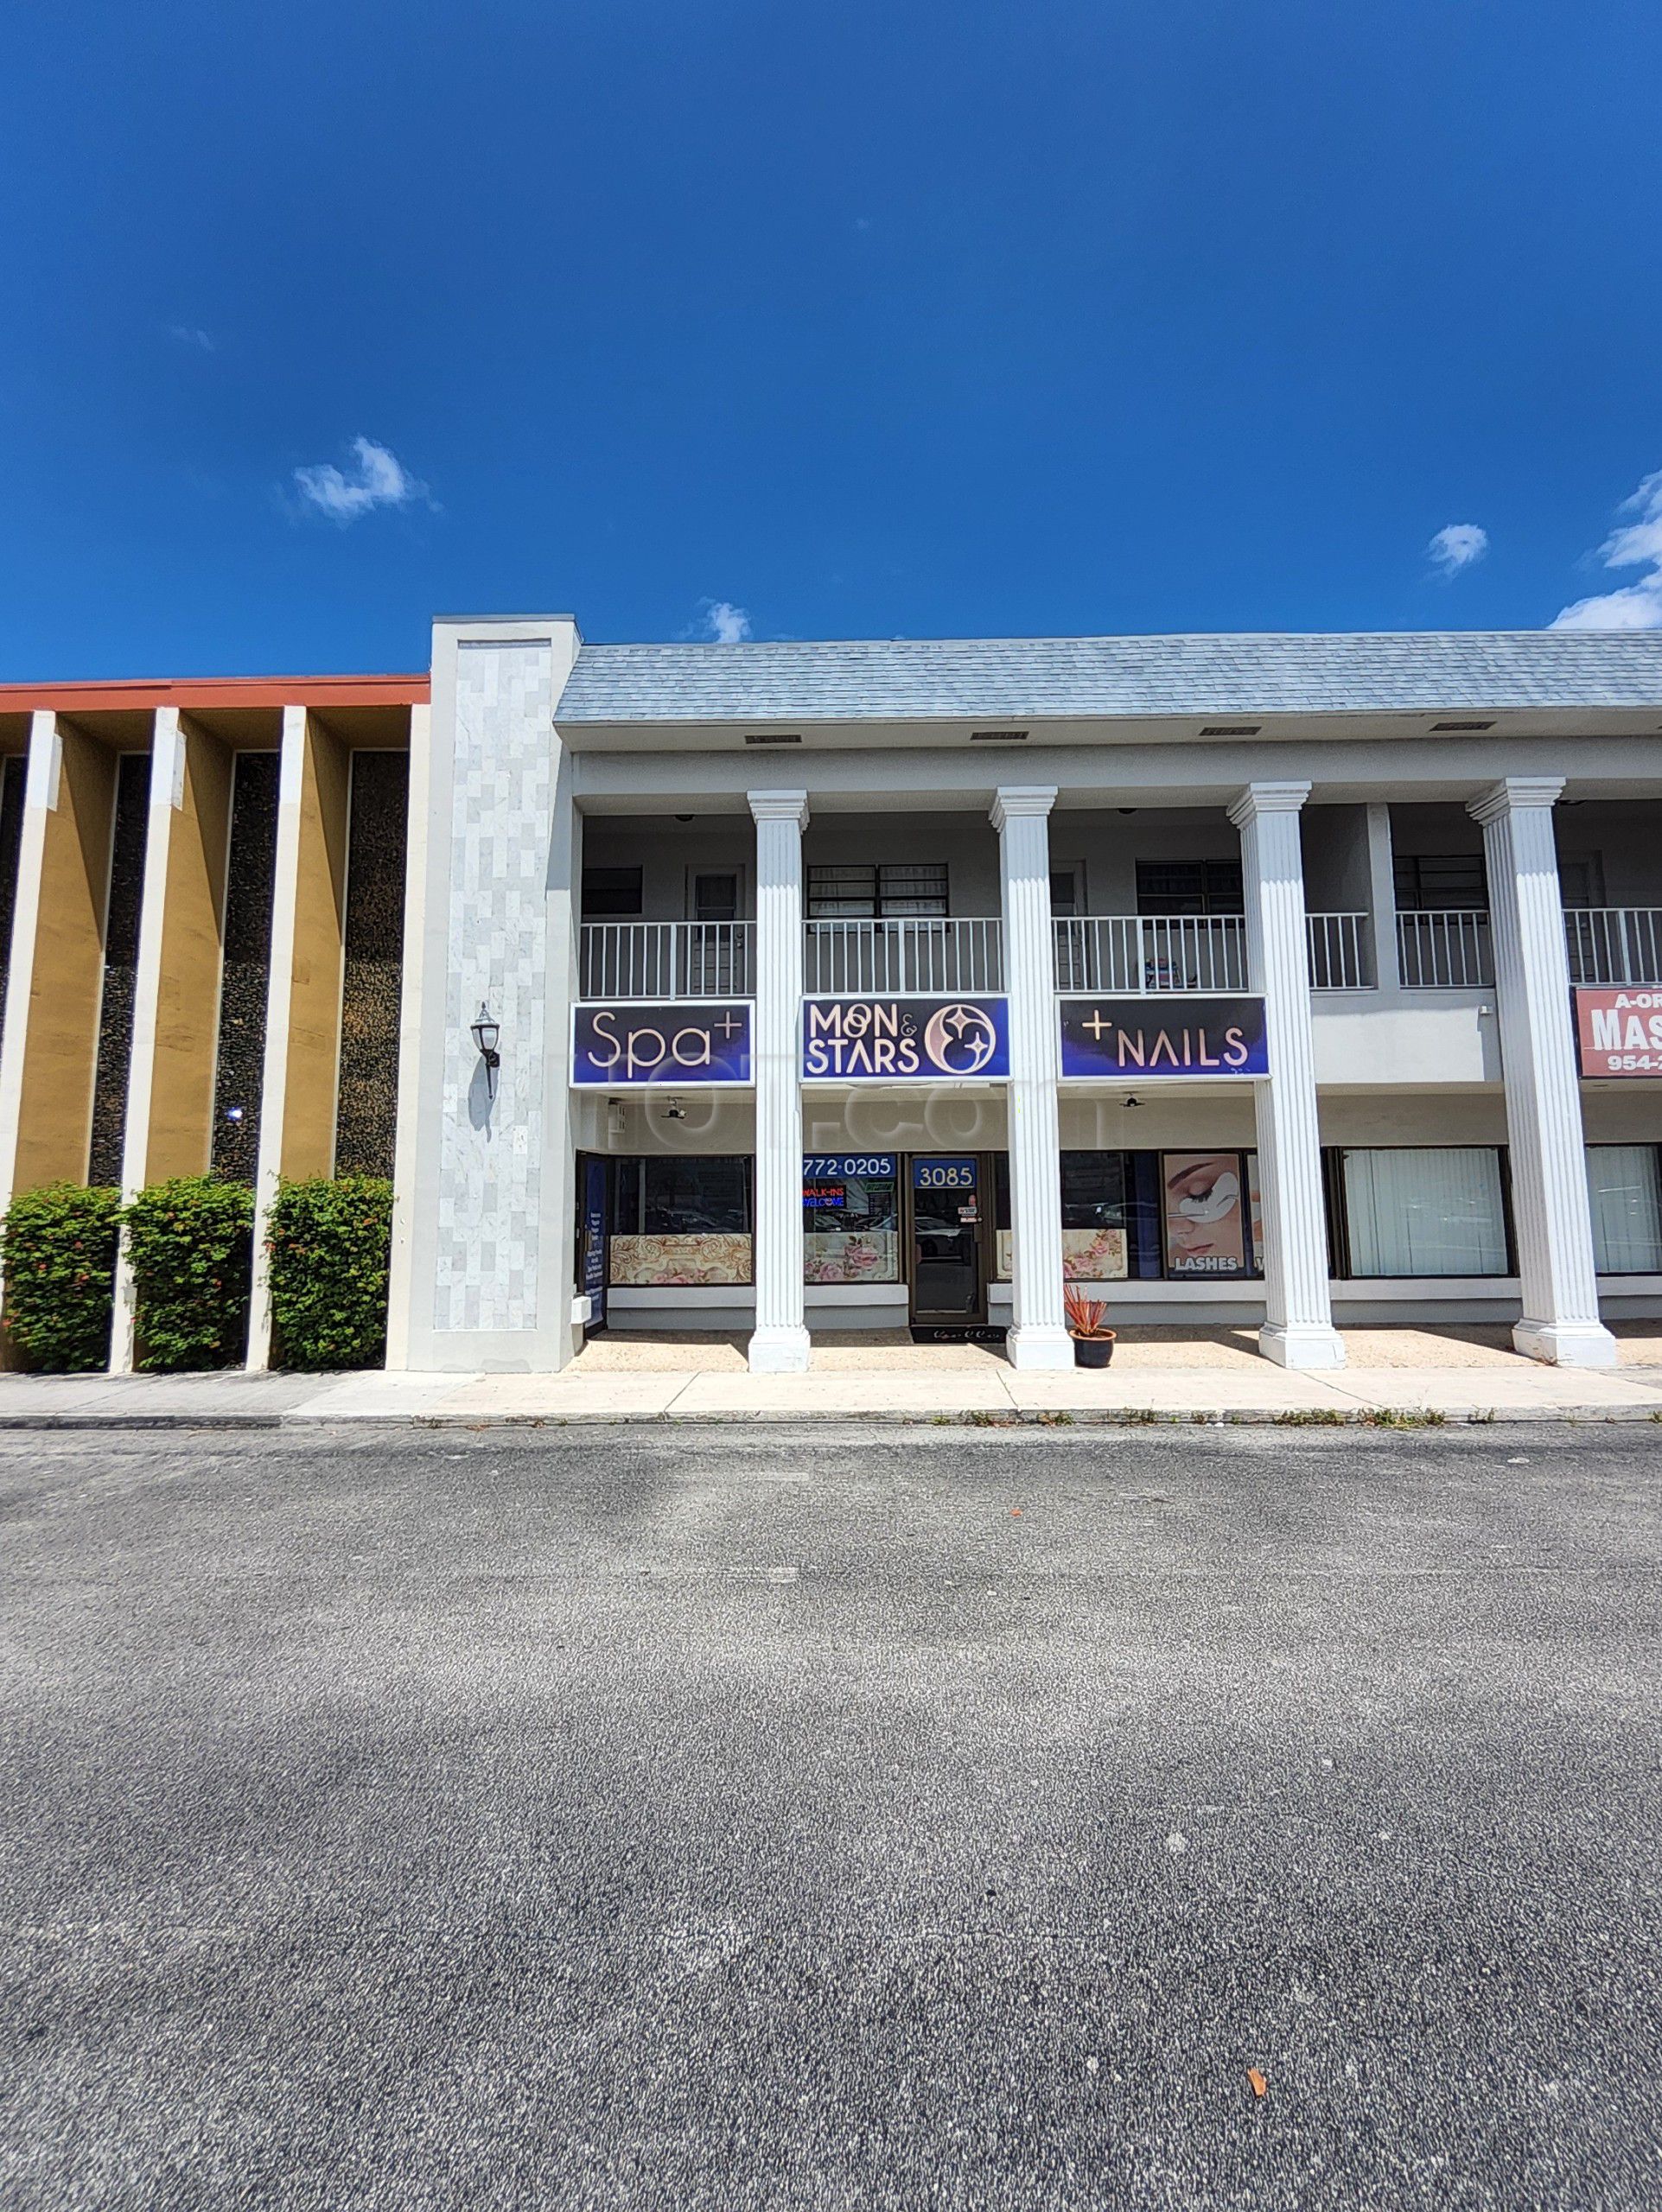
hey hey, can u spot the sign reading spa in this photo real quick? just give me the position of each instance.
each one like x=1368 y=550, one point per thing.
x=905 y=1040
x=1117 y=1038
x=704 y=1040
x=1618 y=1030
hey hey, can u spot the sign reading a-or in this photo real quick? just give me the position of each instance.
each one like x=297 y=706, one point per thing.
x=905 y=1040
x=1118 y=1040
x=701 y=1040
x=1618 y=1030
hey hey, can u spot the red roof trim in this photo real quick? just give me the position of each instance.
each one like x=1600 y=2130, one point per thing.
x=216 y=691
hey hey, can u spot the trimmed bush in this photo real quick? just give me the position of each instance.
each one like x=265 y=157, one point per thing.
x=58 y=1247
x=190 y=1243
x=330 y=1244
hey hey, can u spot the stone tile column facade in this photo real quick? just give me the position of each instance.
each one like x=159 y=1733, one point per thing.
x=1039 y=1337
x=484 y=1220
x=1298 y=1329
x=779 y=1343
x=1550 y=1207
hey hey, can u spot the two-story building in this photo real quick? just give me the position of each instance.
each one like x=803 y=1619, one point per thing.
x=801 y=988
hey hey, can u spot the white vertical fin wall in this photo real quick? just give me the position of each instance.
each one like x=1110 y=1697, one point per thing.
x=167 y=781
x=42 y=780
x=279 y=1001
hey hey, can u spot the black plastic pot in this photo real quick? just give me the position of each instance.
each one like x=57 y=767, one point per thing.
x=1093 y=1352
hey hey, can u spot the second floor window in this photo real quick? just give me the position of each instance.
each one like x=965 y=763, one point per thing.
x=843 y=891
x=1440 y=882
x=1189 y=888
x=610 y=893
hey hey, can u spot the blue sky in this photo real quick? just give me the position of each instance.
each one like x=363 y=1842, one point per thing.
x=890 y=319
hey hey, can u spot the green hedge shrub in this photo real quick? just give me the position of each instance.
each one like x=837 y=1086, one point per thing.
x=330 y=1244
x=58 y=1247
x=190 y=1243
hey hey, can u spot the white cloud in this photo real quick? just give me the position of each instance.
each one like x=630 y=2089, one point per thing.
x=1637 y=544
x=188 y=334
x=378 y=479
x=723 y=622
x=1456 y=545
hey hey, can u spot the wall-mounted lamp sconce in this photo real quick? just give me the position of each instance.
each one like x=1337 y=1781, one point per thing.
x=486 y=1034
x=1131 y=1100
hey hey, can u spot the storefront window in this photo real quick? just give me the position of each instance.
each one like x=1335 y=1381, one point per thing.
x=1424 y=1212
x=1624 y=1182
x=1096 y=1244
x=1123 y=1216
x=851 y=1217
x=1205 y=1212
x=681 y=1221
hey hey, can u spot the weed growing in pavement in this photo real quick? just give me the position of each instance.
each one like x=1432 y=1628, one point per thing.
x=1405 y=1417
x=1310 y=1417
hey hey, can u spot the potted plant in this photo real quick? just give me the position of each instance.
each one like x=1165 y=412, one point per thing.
x=1093 y=1345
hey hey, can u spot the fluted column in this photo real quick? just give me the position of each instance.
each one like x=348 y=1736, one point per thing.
x=1544 y=1108
x=1298 y=1329
x=779 y=1343
x=1020 y=814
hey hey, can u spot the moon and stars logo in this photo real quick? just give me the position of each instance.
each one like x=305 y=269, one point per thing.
x=960 y=1039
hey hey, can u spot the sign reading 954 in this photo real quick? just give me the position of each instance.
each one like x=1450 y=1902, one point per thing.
x=634 y=1043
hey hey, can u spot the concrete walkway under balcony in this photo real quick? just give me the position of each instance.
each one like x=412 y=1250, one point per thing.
x=1159 y=1374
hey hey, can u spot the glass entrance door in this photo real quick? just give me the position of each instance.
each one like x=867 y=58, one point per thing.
x=948 y=1277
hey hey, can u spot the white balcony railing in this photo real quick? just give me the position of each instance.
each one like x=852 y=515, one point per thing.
x=1449 y=949
x=1140 y=954
x=1342 y=953
x=911 y=953
x=1445 y=949
x=1614 y=944
x=666 y=960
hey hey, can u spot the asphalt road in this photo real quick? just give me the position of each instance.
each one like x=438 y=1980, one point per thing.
x=906 y=1819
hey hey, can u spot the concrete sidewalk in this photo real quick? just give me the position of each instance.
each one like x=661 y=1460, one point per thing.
x=991 y=1393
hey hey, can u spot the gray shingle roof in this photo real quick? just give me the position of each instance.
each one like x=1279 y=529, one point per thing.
x=1021 y=679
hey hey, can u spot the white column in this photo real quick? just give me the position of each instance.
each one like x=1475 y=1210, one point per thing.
x=1298 y=1329
x=779 y=1344
x=1382 y=897
x=1020 y=814
x=1544 y=1108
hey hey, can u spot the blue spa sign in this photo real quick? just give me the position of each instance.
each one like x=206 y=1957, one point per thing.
x=905 y=1040
x=633 y=1044
x=1124 y=1040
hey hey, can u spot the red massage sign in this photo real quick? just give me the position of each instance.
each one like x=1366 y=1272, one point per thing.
x=1618 y=1030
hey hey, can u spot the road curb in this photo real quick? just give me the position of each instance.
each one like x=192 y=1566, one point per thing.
x=1415 y=1418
